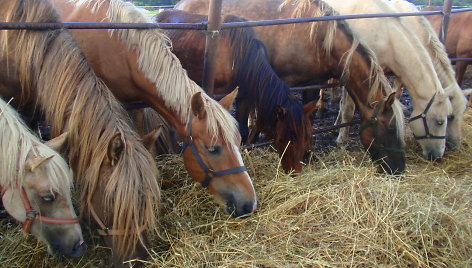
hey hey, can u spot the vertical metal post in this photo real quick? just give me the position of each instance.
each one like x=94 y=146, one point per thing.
x=211 y=46
x=445 y=21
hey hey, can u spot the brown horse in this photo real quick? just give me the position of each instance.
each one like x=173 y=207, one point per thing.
x=242 y=62
x=46 y=71
x=138 y=66
x=458 y=38
x=303 y=54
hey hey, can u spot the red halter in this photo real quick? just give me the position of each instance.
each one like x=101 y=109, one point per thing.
x=32 y=215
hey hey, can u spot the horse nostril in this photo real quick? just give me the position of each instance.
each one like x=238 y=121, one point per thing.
x=432 y=156
x=247 y=208
x=78 y=248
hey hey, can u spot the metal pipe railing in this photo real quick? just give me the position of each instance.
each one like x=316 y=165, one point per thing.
x=196 y=26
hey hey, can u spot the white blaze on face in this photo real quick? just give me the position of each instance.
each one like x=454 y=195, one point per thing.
x=241 y=163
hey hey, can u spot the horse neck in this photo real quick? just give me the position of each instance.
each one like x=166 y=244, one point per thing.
x=255 y=77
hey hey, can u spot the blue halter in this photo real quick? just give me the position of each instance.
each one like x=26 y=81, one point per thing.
x=209 y=173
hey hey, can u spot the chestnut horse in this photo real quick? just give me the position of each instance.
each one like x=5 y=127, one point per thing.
x=35 y=185
x=242 y=62
x=138 y=66
x=46 y=71
x=304 y=54
x=458 y=39
x=422 y=29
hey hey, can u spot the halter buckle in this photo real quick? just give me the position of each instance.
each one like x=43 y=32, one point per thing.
x=31 y=214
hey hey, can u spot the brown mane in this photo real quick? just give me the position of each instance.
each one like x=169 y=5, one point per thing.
x=54 y=74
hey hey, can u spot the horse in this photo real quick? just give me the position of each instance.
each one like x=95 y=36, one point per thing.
x=242 y=62
x=138 y=66
x=458 y=39
x=302 y=54
x=47 y=73
x=35 y=184
x=415 y=71
x=425 y=33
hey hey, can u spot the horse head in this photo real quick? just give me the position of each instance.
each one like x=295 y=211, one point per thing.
x=380 y=136
x=454 y=121
x=42 y=203
x=216 y=162
x=293 y=133
x=429 y=124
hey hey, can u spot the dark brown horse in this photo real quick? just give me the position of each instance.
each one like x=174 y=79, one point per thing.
x=304 y=54
x=116 y=175
x=138 y=66
x=242 y=62
x=458 y=39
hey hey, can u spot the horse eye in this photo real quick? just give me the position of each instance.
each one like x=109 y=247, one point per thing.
x=48 y=198
x=440 y=122
x=214 y=149
x=450 y=118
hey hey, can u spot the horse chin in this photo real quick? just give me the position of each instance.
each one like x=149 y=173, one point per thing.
x=394 y=165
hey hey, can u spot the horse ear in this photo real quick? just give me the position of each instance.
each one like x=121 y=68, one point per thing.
x=115 y=148
x=227 y=101
x=389 y=101
x=34 y=162
x=149 y=140
x=58 y=143
x=310 y=107
x=280 y=113
x=198 y=106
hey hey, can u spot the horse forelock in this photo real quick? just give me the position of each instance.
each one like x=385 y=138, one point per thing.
x=74 y=99
x=164 y=70
x=16 y=142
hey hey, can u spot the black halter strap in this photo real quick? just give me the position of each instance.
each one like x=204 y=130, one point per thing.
x=373 y=123
x=209 y=173
x=422 y=116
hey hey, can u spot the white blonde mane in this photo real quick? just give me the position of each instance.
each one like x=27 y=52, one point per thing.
x=16 y=142
x=438 y=54
x=163 y=68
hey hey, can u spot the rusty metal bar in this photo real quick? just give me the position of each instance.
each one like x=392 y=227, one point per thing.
x=98 y=25
x=193 y=26
x=338 y=126
x=445 y=21
x=459 y=59
x=211 y=46
x=461 y=10
x=313 y=87
x=324 y=18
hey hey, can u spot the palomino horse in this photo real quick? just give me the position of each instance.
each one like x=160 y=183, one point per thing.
x=431 y=105
x=138 y=66
x=301 y=58
x=47 y=72
x=242 y=62
x=425 y=33
x=35 y=184
x=458 y=39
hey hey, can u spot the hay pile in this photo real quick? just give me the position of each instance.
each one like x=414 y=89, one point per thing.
x=339 y=212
